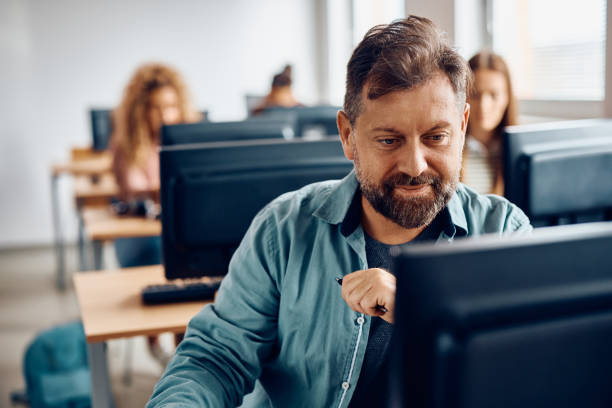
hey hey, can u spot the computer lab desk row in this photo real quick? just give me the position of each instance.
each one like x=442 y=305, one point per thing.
x=99 y=225
x=94 y=186
x=85 y=164
x=111 y=308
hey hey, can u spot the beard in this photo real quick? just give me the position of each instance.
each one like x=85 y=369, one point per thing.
x=411 y=212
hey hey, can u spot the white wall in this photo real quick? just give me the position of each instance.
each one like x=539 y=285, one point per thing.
x=470 y=31
x=57 y=58
x=441 y=12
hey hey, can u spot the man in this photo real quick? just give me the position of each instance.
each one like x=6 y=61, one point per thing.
x=280 y=317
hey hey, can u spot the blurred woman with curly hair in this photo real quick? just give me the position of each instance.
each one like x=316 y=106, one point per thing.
x=156 y=95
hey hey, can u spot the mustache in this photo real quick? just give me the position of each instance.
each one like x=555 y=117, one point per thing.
x=402 y=179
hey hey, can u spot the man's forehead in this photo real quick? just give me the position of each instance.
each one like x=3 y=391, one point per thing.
x=438 y=78
x=433 y=101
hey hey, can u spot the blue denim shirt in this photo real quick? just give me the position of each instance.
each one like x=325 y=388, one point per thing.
x=279 y=316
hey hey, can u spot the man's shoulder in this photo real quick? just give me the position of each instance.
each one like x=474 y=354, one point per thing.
x=487 y=213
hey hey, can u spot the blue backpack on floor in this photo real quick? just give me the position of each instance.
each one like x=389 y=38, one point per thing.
x=56 y=370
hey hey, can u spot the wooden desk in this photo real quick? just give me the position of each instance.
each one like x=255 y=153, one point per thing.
x=110 y=308
x=90 y=193
x=84 y=164
x=101 y=225
x=84 y=161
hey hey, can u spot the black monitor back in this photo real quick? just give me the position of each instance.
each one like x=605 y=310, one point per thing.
x=320 y=119
x=101 y=128
x=185 y=133
x=522 y=322
x=569 y=186
x=211 y=192
x=549 y=170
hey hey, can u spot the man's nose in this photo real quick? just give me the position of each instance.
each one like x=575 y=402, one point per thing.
x=412 y=161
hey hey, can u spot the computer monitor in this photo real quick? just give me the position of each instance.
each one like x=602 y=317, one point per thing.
x=569 y=186
x=273 y=128
x=251 y=101
x=320 y=120
x=556 y=171
x=520 y=322
x=101 y=128
x=210 y=193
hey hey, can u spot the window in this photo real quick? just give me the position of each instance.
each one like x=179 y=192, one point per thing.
x=555 y=49
x=368 y=13
x=347 y=21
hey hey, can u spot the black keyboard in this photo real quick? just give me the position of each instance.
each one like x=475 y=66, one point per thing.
x=180 y=292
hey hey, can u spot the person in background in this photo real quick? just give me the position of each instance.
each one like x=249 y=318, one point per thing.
x=493 y=107
x=281 y=94
x=156 y=95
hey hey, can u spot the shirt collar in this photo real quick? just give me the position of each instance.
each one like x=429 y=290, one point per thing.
x=336 y=205
x=456 y=214
x=343 y=205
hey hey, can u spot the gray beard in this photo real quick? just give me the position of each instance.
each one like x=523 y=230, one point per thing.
x=407 y=213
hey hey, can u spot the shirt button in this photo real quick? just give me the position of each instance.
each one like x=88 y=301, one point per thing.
x=360 y=320
x=345 y=385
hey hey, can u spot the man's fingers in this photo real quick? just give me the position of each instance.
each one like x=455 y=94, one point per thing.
x=353 y=286
x=359 y=290
x=355 y=306
x=370 y=292
x=352 y=280
x=372 y=304
x=353 y=299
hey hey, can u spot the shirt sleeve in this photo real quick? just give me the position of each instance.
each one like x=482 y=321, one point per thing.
x=226 y=343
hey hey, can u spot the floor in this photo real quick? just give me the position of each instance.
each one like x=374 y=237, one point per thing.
x=30 y=302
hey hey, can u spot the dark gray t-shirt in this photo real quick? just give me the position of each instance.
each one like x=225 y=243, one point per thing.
x=373 y=380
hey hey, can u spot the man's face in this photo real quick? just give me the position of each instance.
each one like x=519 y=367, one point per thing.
x=407 y=147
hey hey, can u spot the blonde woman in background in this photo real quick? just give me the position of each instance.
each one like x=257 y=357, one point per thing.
x=156 y=95
x=493 y=107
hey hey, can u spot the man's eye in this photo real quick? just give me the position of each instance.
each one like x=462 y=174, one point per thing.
x=387 y=141
x=436 y=138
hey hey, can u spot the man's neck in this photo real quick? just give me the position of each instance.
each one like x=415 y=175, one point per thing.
x=383 y=229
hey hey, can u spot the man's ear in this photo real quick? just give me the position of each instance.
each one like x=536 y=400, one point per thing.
x=345 y=128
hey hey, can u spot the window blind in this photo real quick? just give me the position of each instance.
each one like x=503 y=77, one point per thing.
x=555 y=49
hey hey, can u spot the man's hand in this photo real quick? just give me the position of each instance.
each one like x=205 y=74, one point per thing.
x=369 y=291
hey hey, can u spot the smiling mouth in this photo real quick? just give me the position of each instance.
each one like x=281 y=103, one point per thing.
x=409 y=189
